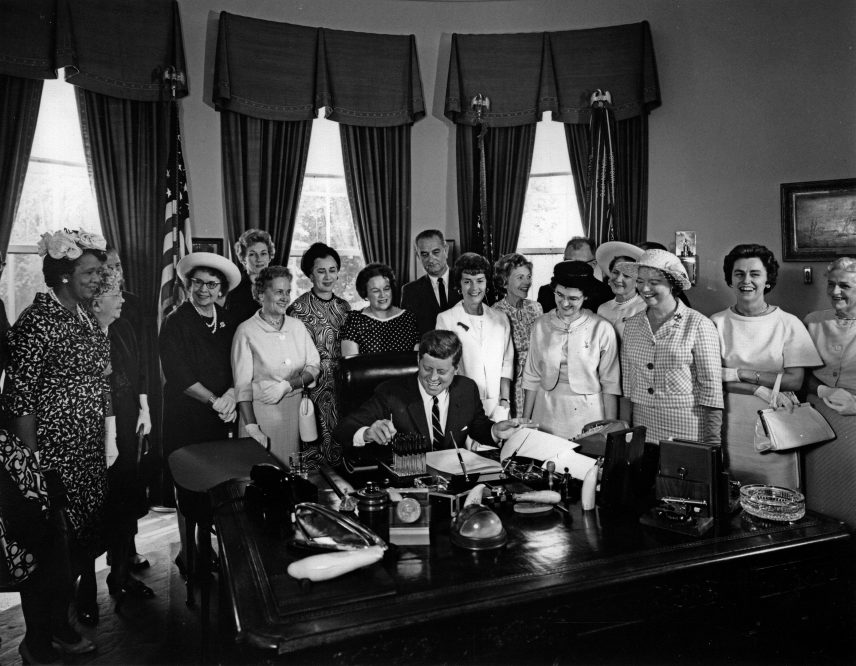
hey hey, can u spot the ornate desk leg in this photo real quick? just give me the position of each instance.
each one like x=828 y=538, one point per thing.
x=203 y=566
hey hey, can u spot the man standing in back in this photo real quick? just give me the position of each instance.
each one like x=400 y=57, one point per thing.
x=431 y=294
x=579 y=249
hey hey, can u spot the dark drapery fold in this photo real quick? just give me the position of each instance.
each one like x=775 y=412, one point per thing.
x=263 y=166
x=631 y=177
x=265 y=69
x=508 y=161
x=369 y=79
x=28 y=39
x=617 y=58
x=512 y=70
x=377 y=173
x=19 y=110
x=122 y=48
x=127 y=147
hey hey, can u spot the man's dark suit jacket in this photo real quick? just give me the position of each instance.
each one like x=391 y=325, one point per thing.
x=418 y=297
x=401 y=398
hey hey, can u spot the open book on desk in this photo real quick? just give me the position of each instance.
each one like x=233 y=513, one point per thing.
x=446 y=463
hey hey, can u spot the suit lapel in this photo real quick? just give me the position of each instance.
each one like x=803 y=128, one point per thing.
x=416 y=409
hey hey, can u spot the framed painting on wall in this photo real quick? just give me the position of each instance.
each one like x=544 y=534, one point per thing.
x=214 y=245
x=818 y=220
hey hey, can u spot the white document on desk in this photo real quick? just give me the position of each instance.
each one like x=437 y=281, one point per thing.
x=446 y=462
x=544 y=446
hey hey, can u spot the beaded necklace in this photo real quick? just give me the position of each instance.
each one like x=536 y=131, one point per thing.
x=213 y=324
x=80 y=314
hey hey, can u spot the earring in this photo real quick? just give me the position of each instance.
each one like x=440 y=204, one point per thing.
x=65 y=280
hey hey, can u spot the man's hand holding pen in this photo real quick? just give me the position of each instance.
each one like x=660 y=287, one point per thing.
x=381 y=431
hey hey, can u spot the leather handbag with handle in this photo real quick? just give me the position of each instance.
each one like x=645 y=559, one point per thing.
x=780 y=428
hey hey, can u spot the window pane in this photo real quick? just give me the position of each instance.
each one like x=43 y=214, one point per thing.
x=22 y=280
x=324 y=214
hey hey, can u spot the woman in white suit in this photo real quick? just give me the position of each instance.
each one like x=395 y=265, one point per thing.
x=485 y=334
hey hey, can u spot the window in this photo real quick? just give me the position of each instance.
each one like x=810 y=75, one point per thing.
x=324 y=214
x=56 y=193
x=551 y=216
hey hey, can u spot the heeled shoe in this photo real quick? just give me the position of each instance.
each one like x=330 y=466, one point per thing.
x=137 y=562
x=182 y=568
x=86 y=603
x=44 y=657
x=132 y=587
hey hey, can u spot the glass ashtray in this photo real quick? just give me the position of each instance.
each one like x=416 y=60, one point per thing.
x=772 y=502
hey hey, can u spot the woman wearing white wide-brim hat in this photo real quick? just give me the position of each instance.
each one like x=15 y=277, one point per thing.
x=670 y=359
x=627 y=301
x=195 y=344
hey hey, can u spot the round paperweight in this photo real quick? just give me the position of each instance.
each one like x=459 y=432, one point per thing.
x=772 y=502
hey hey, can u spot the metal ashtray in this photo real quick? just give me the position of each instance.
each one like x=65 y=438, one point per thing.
x=772 y=502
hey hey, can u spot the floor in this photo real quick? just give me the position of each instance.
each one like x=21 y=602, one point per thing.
x=157 y=631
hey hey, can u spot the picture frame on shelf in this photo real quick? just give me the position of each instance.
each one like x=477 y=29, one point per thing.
x=214 y=245
x=818 y=220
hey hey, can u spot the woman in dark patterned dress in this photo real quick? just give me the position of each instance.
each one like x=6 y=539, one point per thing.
x=381 y=326
x=55 y=387
x=323 y=313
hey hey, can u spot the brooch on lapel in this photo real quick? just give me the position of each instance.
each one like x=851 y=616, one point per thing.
x=464 y=326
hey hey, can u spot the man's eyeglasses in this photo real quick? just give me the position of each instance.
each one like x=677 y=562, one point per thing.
x=200 y=283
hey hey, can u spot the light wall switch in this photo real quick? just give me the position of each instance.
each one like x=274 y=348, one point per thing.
x=807 y=276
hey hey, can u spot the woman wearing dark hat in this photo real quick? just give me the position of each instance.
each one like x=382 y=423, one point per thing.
x=571 y=376
x=195 y=344
x=627 y=301
x=670 y=356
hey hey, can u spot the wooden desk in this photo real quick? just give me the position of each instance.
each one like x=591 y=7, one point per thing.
x=576 y=588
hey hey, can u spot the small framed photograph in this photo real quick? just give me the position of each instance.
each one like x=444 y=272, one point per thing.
x=214 y=245
x=685 y=243
x=818 y=220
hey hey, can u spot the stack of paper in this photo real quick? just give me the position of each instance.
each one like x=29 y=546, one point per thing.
x=544 y=446
x=446 y=462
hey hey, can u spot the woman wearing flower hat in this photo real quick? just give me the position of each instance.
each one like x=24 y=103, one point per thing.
x=55 y=386
x=670 y=356
x=627 y=301
x=571 y=376
x=759 y=341
x=195 y=344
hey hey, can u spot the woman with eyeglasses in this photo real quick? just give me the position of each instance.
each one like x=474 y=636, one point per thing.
x=255 y=251
x=273 y=359
x=571 y=376
x=382 y=326
x=195 y=344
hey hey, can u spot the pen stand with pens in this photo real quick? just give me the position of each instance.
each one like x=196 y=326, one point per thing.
x=408 y=458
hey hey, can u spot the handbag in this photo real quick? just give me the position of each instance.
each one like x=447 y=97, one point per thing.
x=789 y=427
x=306 y=424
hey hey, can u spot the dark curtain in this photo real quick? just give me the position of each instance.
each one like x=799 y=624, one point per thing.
x=377 y=173
x=263 y=166
x=19 y=110
x=631 y=178
x=508 y=160
x=127 y=147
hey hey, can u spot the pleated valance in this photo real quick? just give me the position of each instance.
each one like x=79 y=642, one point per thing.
x=527 y=74
x=28 y=39
x=280 y=71
x=123 y=48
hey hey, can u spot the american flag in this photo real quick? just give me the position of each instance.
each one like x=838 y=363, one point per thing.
x=176 y=230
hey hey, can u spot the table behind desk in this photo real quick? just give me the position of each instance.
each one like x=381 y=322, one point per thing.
x=575 y=588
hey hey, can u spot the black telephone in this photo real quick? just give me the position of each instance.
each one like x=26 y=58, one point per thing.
x=272 y=493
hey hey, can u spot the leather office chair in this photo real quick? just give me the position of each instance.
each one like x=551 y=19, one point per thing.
x=358 y=377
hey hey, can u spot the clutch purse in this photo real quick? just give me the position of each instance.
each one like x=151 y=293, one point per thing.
x=789 y=427
x=306 y=424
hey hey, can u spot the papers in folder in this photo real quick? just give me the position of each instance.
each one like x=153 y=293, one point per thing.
x=544 y=446
x=446 y=462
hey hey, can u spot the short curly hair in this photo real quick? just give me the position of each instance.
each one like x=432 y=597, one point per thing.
x=752 y=251
x=54 y=270
x=471 y=263
x=317 y=251
x=251 y=237
x=846 y=264
x=505 y=265
x=268 y=275
x=374 y=270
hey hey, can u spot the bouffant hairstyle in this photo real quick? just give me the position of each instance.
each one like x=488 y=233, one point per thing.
x=54 y=270
x=251 y=237
x=846 y=264
x=221 y=278
x=266 y=276
x=750 y=251
x=505 y=265
x=317 y=251
x=441 y=344
x=470 y=263
x=370 y=271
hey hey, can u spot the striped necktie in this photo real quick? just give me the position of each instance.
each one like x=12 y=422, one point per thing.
x=436 y=428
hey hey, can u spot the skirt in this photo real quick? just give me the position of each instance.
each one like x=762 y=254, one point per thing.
x=279 y=423
x=563 y=413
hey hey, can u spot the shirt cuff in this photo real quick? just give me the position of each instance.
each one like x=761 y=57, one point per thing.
x=359 y=441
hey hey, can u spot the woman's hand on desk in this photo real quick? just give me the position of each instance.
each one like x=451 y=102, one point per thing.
x=381 y=432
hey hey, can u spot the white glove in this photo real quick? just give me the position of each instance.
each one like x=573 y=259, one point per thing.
x=730 y=375
x=840 y=400
x=500 y=413
x=271 y=392
x=256 y=433
x=144 y=421
x=824 y=391
x=228 y=417
x=111 y=449
x=782 y=400
x=225 y=403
